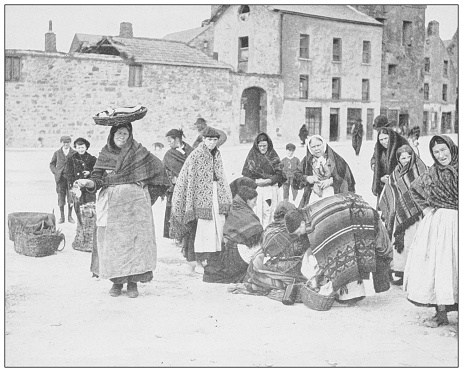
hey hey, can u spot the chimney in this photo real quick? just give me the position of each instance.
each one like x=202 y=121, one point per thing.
x=433 y=28
x=50 y=40
x=126 y=30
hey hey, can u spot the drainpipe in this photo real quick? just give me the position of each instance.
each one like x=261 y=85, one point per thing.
x=281 y=43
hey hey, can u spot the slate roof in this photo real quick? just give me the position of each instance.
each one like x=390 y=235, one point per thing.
x=83 y=40
x=145 y=50
x=186 y=35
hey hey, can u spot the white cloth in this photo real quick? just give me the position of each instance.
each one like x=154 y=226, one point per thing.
x=431 y=271
x=66 y=152
x=209 y=233
x=246 y=253
x=264 y=211
x=328 y=191
x=399 y=259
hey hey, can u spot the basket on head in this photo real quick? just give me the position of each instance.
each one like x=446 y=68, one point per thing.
x=121 y=118
x=314 y=300
x=38 y=245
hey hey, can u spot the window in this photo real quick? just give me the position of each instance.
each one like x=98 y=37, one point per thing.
x=370 y=119
x=427 y=64
x=407 y=33
x=366 y=56
x=135 y=75
x=244 y=12
x=392 y=70
x=336 y=88
x=304 y=86
x=12 y=68
x=393 y=117
x=304 y=46
x=353 y=115
x=446 y=68
x=444 y=92
x=433 y=120
x=243 y=54
x=365 y=90
x=426 y=91
x=425 y=122
x=336 y=50
x=313 y=120
x=383 y=111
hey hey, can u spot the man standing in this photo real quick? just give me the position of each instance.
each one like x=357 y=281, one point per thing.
x=357 y=136
x=57 y=165
x=201 y=126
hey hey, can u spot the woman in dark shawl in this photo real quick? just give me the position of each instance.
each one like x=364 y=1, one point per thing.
x=431 y=271
x=242 y=232
x=240 y=182
x=357 y=136
x=129 y=178
x=173 y=161
x=264 y=166
x=384 y=158
x=399 y=212
x=322 y=159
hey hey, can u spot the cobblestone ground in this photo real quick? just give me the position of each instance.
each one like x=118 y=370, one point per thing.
x=57 y=315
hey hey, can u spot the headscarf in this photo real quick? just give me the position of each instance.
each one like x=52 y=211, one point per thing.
x=320 y=161
x=389 y=155
x=268 y=165
x=239 y=182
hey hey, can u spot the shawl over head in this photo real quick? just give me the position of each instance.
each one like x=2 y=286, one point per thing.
x=269 y=165
x=390 y=154
x=242 y=226
x=241 y=181
x=320 y=138
x=130 y=164
x=192 y=198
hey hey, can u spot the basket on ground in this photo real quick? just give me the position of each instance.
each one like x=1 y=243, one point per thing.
x=29 y=221
x=121 y=118
x=41 y=245
x=314 y=300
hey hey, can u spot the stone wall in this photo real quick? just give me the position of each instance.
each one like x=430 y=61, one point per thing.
x=59 y=93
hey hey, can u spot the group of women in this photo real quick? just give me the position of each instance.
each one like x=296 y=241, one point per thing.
x=243 y=232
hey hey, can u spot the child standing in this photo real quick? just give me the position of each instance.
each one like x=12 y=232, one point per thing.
x=290 y=164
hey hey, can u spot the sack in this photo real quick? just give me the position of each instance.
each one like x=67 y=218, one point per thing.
x=85 y=233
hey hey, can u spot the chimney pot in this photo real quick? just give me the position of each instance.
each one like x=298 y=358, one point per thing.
x=50 y=40
x=126 y=30
x=433 y=28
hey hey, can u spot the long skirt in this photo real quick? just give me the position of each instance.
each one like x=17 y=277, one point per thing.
x=167 y=214
x=399 y=259
x=268 y=198
x=431 y=271
x=226 y=267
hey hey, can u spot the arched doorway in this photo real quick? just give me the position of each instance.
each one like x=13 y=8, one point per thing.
x=253 y=116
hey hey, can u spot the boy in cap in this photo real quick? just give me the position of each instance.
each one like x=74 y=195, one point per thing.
x=290 y=164
x=202 y=126
x=58 y=168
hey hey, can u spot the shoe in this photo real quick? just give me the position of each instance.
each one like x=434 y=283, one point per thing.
x=437 y=320
x=132 y=290
x=61 y=220
x=71 y=220
x=115 y=290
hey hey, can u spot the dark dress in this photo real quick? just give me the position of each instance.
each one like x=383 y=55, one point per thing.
x=357 y=137
x=76 y=166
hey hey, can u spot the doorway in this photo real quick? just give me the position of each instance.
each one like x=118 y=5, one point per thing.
x=253 y=114
x=334 y=124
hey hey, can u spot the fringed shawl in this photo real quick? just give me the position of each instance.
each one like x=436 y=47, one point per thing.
x=242 y=225
x=387 y=167
x=438 y=187
x=267 y=166
x=192 y=198
x=343 y=179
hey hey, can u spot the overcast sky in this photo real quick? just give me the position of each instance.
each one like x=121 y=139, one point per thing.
x=26 y=25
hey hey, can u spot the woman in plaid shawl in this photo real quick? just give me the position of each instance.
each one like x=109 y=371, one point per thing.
x=431 y=271
x=400 y=213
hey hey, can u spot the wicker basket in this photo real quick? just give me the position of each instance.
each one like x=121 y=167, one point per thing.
x=314 y=300
x=277 y=294
x=38 y=245
x=29 y=222
x=121 y=118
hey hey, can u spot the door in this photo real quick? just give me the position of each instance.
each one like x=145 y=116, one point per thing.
x=253 y=104
x=334 y=125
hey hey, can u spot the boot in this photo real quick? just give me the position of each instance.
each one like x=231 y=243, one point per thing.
x=61 y=209
x=115 y=290
x=132 y=290
x=70 y=219
x=439 y=319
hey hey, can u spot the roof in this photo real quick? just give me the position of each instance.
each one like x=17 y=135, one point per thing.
x=186 y=35
x=145 y=50
x=335 y=12
x=83 y=40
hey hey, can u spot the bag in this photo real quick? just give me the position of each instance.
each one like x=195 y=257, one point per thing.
x=86 y=227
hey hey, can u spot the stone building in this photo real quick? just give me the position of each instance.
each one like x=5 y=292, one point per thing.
x=440 y=84
x=402 y=61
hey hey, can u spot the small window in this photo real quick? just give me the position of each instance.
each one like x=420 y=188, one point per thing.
x=304 y=46
x=365 y=90
x=427 y=64
x=426 y=91
x=336 y=88
x=353 y=116
x=425 y=121
x=12 y=68
x=407 y=33
x=244 y=12
x=392 y=70
x=337 y=50
x=303 y=86
x=393 y=117
x=243 y=54
x=444 y=92
x=135 y=75
x=313 y=120
x=446 y=68
x=366 y=55
x=433 y=120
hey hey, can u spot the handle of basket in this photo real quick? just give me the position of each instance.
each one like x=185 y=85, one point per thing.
x=64 y=245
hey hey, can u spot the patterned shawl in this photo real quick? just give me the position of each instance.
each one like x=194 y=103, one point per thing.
x=343 y=179
x=242 y=225
x=192 y=198
x=269 y=165
x=130 y=164
x=396 y=202
x=438 y=187
x=381 y=169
